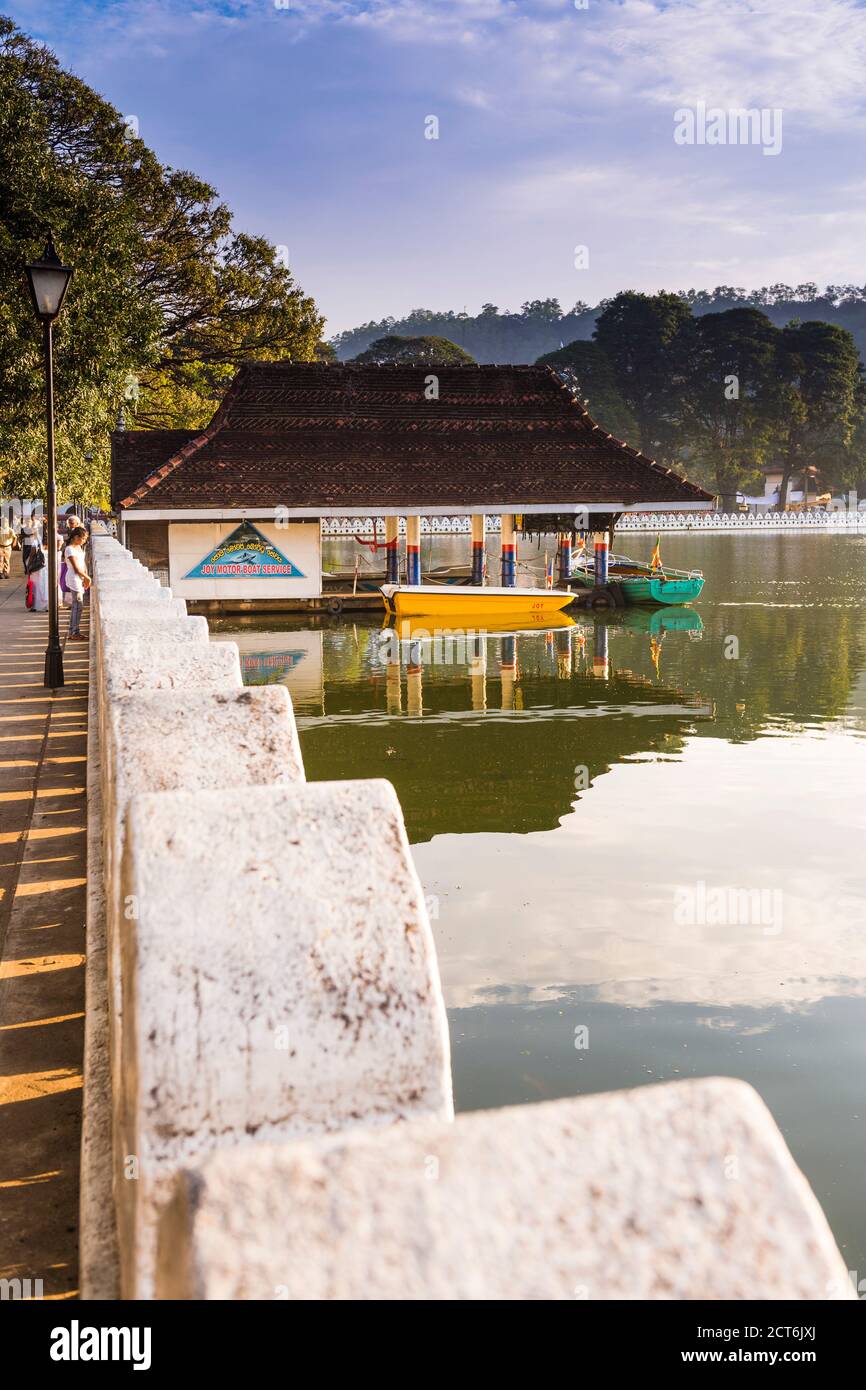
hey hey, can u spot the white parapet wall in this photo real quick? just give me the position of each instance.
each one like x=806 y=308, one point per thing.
x=267 y=1091
x=278 y=977
x=267 y=960
x=187 y=739
x=682 y=1191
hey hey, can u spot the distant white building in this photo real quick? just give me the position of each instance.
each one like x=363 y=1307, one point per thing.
x=797 y=496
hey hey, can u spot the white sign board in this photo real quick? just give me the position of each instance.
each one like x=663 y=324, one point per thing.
x=248 y=559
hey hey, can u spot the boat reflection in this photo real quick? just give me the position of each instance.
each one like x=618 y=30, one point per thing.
x=420 y=629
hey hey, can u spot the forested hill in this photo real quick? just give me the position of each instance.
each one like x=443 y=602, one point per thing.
x=541 y=326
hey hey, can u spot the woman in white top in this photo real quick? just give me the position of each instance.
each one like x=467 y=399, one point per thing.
x=77 y=579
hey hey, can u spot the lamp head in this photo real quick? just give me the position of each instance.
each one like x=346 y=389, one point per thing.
x=49 y=280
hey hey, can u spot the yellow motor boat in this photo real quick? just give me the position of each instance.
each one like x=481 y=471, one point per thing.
x=468 y=605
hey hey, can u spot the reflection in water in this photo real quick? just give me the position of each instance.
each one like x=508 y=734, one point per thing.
x=564 y=789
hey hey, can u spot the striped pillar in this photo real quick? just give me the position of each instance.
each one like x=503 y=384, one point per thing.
x=392 y=558
x=413 y=550
x=564 y=557
x=600 y=543
x=477 y=550
x=509 y=552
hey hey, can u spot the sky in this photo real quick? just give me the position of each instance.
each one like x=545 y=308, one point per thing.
x=564 y=164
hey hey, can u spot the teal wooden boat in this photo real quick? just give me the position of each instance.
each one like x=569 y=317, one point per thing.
x=642 y=584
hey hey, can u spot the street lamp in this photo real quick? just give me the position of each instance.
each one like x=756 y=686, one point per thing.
x=49 y=280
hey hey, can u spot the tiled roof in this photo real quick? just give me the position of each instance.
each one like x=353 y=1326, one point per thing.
x=331 y=435
x=136 y=453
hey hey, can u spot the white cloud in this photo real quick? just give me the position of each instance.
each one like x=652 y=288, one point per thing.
x=742 y=53
x=731 y=53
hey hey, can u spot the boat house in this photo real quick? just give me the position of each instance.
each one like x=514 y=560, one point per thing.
x=235 y=511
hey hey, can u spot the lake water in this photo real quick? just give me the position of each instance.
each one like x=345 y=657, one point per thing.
x=643 y=844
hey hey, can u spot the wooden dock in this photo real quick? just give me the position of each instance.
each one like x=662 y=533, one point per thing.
x=331 y=602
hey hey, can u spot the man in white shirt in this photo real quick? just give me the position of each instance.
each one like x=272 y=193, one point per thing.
x=7 y=536
x=30 y=537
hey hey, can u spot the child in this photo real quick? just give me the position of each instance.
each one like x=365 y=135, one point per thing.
x=77 y=579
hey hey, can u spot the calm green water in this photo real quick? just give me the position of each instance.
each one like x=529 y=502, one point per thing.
x=575 y=821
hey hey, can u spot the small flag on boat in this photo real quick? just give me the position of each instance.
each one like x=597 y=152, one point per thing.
x=548 y=572
x=656 y=560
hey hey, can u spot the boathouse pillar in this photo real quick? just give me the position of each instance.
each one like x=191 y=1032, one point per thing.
x=477 y=550
x=413 y=550
x=600 y=544
x=509 y=551
x=564 y=557
x=392 y=557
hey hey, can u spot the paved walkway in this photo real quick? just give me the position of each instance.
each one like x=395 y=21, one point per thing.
x=43 y=810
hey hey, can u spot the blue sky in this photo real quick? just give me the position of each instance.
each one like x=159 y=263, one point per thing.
x=556 y=128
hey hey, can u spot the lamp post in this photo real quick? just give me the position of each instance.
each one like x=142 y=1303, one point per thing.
x=49 y=280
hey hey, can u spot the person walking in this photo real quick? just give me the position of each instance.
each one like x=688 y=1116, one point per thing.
x=36 y=569
x=29 y=538
x=7 y=539
x=71 y=522
x=77 y=579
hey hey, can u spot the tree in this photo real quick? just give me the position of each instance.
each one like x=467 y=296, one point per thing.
x=167 y=299
x=641 y=336
x=728 y=419
x=588 y=370
x=419 y=352
x=548 y=310
x=820 y=402
x=851 y=472
x=493 y=335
